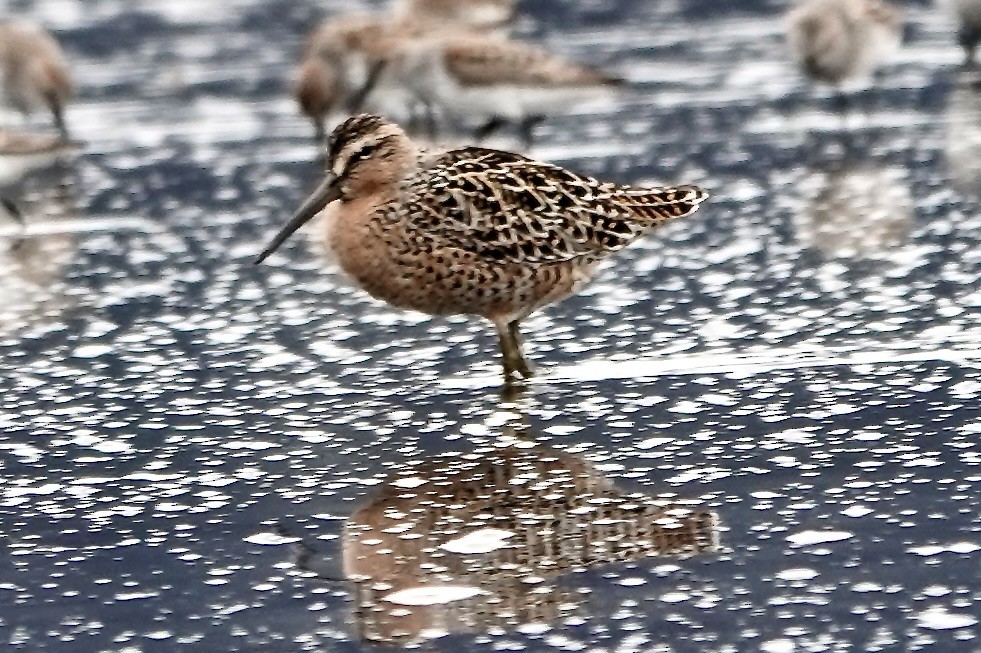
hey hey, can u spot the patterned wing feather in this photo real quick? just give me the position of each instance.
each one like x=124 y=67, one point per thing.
x=506 y=207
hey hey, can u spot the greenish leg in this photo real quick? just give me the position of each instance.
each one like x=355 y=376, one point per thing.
x=514 y=361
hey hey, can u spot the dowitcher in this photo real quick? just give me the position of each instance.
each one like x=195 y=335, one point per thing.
x=35 y=75
x=340 y=62
x=834 y=41
x=473 y=230
x=968 y=15
x=492 y=80
x=333 y=64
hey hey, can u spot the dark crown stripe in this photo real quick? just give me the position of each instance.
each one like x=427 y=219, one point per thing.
x=353 y=129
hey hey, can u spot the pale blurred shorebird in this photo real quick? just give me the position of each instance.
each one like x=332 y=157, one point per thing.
x=33 y=71
x=341 y=62
x=335 y=63
x=835 y=41
x=471 y=231
x=968 y=16
x=492 y=81
x=343 y=56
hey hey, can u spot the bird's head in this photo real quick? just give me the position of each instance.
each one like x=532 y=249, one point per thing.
x=366 y=155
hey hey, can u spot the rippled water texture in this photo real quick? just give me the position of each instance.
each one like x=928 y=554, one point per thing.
x=758 y=430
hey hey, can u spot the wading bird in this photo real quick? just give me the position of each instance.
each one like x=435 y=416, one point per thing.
x=471 y=231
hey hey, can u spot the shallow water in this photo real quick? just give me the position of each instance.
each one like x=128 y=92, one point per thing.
x=757 y=430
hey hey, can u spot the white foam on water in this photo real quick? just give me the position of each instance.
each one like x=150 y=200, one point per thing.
x=433 y=595
x=938 y=618
x=270 y=539
x=484 y=540
x=808 y=538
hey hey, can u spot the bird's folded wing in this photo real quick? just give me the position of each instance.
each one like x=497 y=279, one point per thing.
x=509 y=208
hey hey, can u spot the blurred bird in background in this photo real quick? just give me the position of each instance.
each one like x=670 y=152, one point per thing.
x=491 y=82
x=342 y=58
x=836 y=41
x=426 y=60
x=34 y=72
x=968 y=16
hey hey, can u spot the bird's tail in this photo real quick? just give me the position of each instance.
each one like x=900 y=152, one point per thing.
x=662 y=204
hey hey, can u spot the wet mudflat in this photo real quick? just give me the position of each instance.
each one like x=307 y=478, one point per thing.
x=757 y=430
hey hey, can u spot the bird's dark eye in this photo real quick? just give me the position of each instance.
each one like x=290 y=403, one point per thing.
x=362 y=155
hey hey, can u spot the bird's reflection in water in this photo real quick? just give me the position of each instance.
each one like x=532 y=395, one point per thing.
x=854 y=207
x=478 y=542
x=34 y=250
x=964 y=133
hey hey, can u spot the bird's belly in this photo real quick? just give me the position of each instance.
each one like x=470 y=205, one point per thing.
x=452 y=282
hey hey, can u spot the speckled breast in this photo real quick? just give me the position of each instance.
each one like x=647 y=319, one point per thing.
x=414 y=273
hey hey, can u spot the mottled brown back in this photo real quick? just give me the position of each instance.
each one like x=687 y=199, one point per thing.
x=506 y=207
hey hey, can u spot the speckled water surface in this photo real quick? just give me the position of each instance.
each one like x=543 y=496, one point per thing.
x=757 y=431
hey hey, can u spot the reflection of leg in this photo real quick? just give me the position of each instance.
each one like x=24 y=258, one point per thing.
x=527 y=126
x=514 y=404
x=310 y=559
x=512 y=392
x=510 y=340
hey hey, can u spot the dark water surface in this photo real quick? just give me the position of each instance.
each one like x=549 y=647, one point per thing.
x=757 y=430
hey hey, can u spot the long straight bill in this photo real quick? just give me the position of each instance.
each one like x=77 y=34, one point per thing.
x=327 y=192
